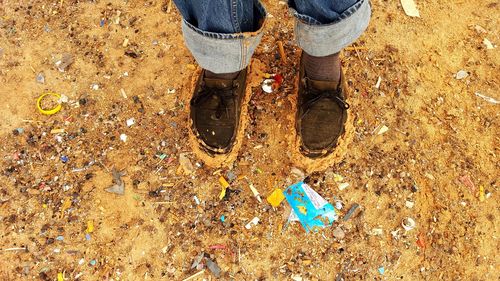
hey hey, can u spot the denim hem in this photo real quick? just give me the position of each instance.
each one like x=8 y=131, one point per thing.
x=320 y=40
x=224 y=36
x=311 y=21
x=223 y=52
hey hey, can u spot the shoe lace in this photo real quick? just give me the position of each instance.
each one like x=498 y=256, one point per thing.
x=334 y=95
x=221 y=94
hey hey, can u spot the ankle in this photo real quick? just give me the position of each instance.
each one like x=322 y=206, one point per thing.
x=325 y=68
x=225 y=76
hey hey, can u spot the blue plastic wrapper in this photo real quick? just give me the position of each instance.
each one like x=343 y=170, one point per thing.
x=312 y=210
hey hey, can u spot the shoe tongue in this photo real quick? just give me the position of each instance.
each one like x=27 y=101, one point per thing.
x=218 y=83
x=323 y=85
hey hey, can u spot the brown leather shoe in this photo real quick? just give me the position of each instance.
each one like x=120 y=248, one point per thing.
x=321 y=115
x=215 y=112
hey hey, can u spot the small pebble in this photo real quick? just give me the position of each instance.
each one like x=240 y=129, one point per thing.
x=18 y=131
x=63 y=99
x=230 y=176
x=383 y=130
x=339 y=205
x=343 y=185
x=298 y=173
x=489 y=45
x=130 y=122
x=461 y=75
x=40 y=78
x=409 y=204
x=123 y=137
x=339 y=233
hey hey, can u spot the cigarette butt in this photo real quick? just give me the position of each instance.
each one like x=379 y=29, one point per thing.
x=122 y=91
x=255 y=193
x=282 y=51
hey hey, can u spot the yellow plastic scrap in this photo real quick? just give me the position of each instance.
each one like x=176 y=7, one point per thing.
x=223 y=182
x=303 y=210
x=60 y=276
x=225 y=185
x=57 y=131
x=338 y=178
x=222 y=193
x=481 y=193
x=263 y=74
x=90 y=226
x=276 y=197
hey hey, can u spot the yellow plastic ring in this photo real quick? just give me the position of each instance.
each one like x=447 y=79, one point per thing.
x=49 y=111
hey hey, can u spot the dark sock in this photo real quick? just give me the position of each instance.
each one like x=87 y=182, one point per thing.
x=225 y=76
x=322 y=68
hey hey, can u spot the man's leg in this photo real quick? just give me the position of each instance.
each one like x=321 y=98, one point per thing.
x=214 y=32
x=322 y=29
x=217 y=32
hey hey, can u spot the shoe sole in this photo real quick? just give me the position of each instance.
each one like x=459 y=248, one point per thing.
x=199 y=147
x=311 y=165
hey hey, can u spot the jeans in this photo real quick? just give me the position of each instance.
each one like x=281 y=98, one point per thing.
x=222 y=35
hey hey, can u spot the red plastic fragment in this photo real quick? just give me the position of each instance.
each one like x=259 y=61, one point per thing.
x=218 y=247
x=278 y=78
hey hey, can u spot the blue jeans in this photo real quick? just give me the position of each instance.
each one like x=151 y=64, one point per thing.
x=223 y=34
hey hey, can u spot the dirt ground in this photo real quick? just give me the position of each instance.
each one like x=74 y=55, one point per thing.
x=437 y=163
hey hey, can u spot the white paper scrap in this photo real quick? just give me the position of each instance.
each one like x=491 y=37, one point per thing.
x=410 y=8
